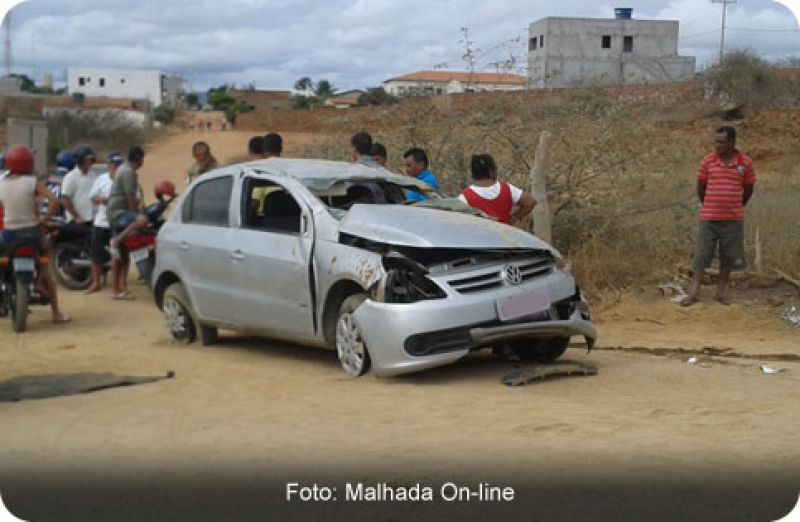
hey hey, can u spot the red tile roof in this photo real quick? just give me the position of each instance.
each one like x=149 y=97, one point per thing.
x=466 y=77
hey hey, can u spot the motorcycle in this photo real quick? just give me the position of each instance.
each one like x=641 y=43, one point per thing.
x=142 y=246
x=70 y=257
x=20 y=263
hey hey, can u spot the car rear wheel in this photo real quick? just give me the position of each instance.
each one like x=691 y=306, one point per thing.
x=177 y=314
x=350 y=347
x=541 y=351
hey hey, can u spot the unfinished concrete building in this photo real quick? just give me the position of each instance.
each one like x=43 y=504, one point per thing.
x=572 y=52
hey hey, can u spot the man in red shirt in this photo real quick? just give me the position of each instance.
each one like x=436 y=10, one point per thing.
x=495 y=198
x=724 y=185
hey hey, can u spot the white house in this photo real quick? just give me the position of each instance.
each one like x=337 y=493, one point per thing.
x=116 y=83
x=571 y=52
x=452 y=82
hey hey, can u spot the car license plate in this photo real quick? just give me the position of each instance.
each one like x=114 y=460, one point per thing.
x=23 y=264
x=140 y=254
x=516 y=306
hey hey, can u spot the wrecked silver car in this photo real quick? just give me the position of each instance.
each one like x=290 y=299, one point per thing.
x=328 y=254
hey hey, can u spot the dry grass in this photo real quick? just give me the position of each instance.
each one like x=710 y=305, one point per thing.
x=622 y=170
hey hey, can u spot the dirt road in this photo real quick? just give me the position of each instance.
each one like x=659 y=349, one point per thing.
x=256 y=406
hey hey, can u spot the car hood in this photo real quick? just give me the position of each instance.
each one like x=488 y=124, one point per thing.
x=429 y=228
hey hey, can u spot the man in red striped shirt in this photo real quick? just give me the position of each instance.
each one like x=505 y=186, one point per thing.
x=724 y=185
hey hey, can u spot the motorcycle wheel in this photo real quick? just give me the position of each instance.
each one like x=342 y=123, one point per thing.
x=71 y=277
x=19 y=306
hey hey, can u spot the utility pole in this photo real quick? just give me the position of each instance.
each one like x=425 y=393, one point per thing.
x=7 y=54
x=469 y=54
x=722 y=37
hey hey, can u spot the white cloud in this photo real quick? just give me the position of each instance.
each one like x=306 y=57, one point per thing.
x=352 y=43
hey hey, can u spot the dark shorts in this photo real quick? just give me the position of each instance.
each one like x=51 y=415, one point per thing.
x=123 y=220
x=729 y=235
x=23 y=234
x=100 y=238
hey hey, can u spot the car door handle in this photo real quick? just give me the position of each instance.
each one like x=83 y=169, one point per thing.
x=184 y=246
x=236 y=255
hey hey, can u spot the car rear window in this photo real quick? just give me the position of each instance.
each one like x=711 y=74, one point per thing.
x=209 y=202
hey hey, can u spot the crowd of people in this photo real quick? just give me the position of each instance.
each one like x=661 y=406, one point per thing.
x=498 y=199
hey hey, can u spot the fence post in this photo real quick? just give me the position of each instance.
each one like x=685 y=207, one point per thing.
x=542 y=225
x=759 y=260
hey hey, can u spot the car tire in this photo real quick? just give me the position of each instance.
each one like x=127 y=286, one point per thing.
x=542 y=351
x=19 y=308
x=350 y=347
x=178 y=315
x=208 y=335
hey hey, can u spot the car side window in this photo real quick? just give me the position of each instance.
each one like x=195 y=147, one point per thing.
x=209 y=203
x=270 y=207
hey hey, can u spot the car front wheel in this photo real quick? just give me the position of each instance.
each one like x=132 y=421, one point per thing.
x=350 y=347
x=177 y=315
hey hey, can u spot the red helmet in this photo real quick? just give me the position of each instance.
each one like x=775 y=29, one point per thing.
x=19 y=160
x=165 y=188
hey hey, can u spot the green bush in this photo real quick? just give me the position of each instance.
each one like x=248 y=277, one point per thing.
x=165 y=114
x=745 y=79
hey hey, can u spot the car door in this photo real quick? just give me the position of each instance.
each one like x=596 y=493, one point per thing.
x=270 y=255
x=203 y=247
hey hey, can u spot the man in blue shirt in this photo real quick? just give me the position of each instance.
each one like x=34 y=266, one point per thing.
x=415 y=162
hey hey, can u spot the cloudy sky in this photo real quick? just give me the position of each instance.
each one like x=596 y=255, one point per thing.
x=352 y=43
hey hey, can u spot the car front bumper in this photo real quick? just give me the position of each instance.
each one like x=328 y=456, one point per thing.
x=404 y=338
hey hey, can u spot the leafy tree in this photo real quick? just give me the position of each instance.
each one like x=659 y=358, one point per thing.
x=377 y=96
x=27 y=84
x=314 y=93
x=219 y=98
x=304 y=84
x=192 y=99
x=324 y=90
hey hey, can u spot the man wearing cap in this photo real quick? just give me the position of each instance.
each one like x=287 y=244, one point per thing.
x=101 y=230
x=76 y=187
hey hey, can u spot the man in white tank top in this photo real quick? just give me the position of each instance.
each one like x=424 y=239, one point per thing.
x=19 y=193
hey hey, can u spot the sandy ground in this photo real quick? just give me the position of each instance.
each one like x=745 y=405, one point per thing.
x=257 y=404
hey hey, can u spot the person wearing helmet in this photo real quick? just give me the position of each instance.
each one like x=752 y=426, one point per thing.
x=19 y=192
x=101 y=229
x=64 y=164
x=76 y=187
x=124 y=217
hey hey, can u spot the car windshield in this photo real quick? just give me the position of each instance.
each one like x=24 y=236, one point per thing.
x=341 y=194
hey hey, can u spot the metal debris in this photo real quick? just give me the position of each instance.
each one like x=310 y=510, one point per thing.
x=543 y=371
x=792 y=316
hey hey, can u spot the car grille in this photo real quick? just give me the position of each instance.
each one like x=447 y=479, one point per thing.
x=490 y=277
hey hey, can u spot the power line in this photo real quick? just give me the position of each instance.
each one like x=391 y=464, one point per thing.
x=704 y=33
x=764 y=30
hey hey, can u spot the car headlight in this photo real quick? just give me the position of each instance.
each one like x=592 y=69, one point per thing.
x=405 y=281
x=562 y=264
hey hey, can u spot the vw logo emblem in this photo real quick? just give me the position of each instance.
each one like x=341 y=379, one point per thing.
x=512 y=275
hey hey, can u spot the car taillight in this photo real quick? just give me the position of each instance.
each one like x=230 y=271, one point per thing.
x=24 y=251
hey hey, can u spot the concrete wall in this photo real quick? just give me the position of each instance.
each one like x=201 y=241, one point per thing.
x=573 y=53
x=31 y=134
x=405 y=87
x=122 y=116
x=116 y=83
